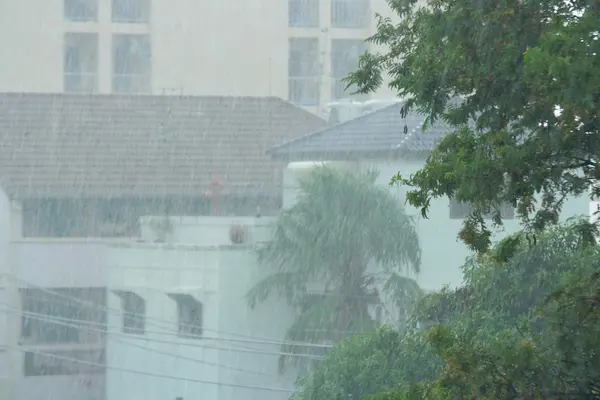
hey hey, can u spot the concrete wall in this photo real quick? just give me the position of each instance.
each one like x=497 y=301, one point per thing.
x=443 y=252
x=47 y=263
x=217 y=274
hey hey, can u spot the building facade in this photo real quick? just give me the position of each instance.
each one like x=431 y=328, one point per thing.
x=297 y=49
x=377 y=140
x=179 y=321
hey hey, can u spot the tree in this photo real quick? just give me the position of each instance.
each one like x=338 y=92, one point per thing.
x=520 y=81
x=526 y=328
x=352 y=239
x=359 y=366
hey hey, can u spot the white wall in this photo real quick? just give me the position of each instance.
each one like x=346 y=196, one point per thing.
x=9 y=323
x=219 y=275
x=152 y=271
x=443 y=252
x=233 y=48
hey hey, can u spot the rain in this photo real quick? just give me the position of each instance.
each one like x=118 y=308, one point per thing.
x=301 y=199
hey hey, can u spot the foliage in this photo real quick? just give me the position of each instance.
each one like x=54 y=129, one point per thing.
x=523 y=328
x=364 y=365
x=342 y=226
x=497 y=71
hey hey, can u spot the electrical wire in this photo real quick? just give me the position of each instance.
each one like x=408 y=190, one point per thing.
x=150 y=349
x=42 y=317
x=152 y=374
x=257 y=340
x=100 y=325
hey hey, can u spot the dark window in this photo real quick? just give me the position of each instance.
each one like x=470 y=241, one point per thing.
x=131 y=11
x=351 y=14
x=81 y=10
x=132 y=64
x=303 y=13
x=460 y=210
x=80 y=62
x=134 y=312
x=55 y=316
x=303 y=71
x=63 y=362
x=344 y=59
x=189 y=312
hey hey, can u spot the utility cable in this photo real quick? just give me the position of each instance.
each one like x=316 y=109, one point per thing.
x=152 y=374
x=42 y=317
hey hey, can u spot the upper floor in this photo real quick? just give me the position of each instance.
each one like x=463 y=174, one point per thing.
x=297 y=50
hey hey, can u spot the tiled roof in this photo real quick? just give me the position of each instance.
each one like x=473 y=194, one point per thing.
x=68 y=145
x=381 y=131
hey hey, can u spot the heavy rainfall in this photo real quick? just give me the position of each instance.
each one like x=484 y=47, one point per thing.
x=301 y=199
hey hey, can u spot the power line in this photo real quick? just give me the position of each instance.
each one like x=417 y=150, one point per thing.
x=257 y=340
x=193 y=336
x=152 y=374
x=42 y=317
x=150 y=349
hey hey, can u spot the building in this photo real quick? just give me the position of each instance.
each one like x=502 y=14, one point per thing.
x=77 y=170
x=179 y=319
x=296 y=49
x=377 y=140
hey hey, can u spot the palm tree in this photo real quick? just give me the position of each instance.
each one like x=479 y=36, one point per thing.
x=352 y=238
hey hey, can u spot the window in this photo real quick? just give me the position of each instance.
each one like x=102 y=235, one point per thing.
x=303 y=71
x=134 y=312
x=131 y=11
x=63 y=362
x=80 y=62
x=344 y=59
x=351 y=14
x=189 y=313
x=132 y=67
x=47 y=315
x=303 y=13
x=462 y=210
x=81 y=10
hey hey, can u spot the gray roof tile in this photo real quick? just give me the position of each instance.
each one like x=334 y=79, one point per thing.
x=68 y=145
x=381 y=131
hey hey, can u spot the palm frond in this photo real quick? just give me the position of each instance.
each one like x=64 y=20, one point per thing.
x=405 y=292
x=284 y=283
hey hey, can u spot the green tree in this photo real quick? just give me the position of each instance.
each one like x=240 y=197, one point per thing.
x=362 y=365
x=520 y=80
x=525 y=328
x=351 y=237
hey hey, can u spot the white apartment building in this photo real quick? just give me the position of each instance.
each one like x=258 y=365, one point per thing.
x=295 y=49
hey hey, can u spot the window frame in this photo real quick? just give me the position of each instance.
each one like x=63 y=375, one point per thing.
x=337 y=50
x=134 y=312
x=304 y=56
x=310 y=9
x=341 y=8
x=70 y=6
x=144 y=16
x=79 y=40
x=190 y=328
x=118 y=44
